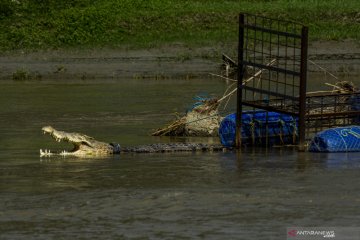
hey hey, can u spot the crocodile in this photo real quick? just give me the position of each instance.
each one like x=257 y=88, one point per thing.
x=85 y=146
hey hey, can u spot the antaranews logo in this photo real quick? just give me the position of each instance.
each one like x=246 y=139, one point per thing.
x=321 y=233
x=310 y=233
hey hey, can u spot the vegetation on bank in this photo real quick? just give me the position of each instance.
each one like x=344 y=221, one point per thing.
x=43 y=24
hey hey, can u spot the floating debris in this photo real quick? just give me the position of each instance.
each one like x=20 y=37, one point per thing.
x=202 y=120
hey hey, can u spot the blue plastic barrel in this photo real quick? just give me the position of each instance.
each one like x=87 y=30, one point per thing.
x=340 y=139
x=227 y=130
x=258 y=128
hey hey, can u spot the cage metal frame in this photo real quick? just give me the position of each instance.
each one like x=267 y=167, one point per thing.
x=282 y=85
x=276 y=52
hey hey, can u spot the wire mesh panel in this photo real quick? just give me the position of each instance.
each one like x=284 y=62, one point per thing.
x=272 y=63
x=325 y=111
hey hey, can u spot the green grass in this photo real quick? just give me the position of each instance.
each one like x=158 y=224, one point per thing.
x=30 y=24
x=23 y=75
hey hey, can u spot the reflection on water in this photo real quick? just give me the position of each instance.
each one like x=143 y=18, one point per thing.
x=252 y=194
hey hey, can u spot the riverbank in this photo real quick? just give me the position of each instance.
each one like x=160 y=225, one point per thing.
x=170 y=61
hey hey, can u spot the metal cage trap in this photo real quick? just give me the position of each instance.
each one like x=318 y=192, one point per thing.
x=273 y=53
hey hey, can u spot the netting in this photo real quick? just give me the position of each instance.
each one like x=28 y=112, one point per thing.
x=260 y=128
x=355 y=106
x=340 y=139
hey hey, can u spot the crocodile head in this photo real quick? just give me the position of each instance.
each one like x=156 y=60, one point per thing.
x=83 y=144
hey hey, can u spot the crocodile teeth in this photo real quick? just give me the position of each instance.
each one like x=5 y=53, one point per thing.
x=45 y=153
x=63 y=153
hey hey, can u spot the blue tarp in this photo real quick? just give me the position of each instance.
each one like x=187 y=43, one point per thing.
x=340 y=139
x=259 y=127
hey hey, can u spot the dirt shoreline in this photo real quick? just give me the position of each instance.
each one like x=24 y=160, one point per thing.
x=161 y=63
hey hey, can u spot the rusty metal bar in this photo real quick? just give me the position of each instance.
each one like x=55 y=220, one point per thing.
x=270 y=93
x=302 y=95
x=269 y=18
x=332 y=114
x=269 y=108
x=267 y=30
x=271 y=68
x=240 y=78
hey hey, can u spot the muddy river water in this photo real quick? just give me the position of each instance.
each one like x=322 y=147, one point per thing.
x=253 y=194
